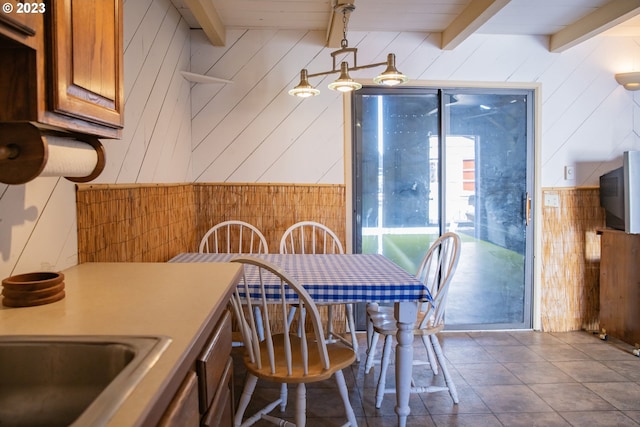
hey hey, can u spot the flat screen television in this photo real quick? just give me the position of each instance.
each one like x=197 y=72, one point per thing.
x=620 y=194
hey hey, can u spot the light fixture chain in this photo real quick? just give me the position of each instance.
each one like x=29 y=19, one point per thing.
x=344 y=43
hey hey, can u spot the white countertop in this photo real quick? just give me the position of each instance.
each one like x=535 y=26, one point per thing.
x=174 y=300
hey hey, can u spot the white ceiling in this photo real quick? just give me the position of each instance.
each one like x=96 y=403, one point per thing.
x=566 y=22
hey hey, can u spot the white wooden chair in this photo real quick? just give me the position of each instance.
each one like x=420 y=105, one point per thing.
x=436 y=271
x=233 y=237
x=285 y=357
x=310 y=237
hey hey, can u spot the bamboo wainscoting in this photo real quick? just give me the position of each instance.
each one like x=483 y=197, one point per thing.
x=571 y=260
x=152 y=223
x=272 y=208
x=134 y=223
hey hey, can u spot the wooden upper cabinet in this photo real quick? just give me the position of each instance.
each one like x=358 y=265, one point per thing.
x=87 y=60
x=61 y=65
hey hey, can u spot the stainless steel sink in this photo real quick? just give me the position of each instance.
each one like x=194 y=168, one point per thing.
x=70 y=380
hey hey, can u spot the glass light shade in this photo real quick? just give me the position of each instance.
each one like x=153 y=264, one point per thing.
x=304 y=88
x=344 y=82
x=391 y=76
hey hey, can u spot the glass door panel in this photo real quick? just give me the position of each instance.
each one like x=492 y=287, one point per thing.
x=398 y=202
x=486 y=149
x=421 y=155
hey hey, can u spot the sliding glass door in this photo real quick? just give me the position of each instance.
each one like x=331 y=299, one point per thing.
x=428 y=161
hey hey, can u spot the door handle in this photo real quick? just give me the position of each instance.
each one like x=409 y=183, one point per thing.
x=527 y=209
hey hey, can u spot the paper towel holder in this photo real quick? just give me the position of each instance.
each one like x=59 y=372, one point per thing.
x=24 y=152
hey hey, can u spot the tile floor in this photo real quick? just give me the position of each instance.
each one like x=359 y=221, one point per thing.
x=503 y=379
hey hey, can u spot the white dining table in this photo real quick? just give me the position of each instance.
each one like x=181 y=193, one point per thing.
x=353 y=278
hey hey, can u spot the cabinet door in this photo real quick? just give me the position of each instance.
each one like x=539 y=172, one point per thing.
x=619 y=285
x=210 y=364
x=183 y=410
x=86 y=60
x=220 y=414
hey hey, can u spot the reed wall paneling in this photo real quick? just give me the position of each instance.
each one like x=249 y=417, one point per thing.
x=154 y=223
x=271 y=207
x=129 y=223
x=134 y=223
x=571 y=260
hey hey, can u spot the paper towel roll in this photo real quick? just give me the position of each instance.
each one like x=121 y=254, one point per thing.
x=69 y=158
x=27 y=152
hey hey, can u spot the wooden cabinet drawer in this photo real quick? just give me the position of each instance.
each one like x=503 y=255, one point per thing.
x=210 y=365
x=183 y=410
x=220 y=414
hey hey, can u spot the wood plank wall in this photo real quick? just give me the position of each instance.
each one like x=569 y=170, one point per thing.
x=128 y=223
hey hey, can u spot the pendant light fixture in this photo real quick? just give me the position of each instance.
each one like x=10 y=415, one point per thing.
x=344 y=83
x=304 y=88
x=389 y=77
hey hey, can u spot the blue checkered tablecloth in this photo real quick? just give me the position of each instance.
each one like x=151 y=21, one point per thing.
x=336 y=278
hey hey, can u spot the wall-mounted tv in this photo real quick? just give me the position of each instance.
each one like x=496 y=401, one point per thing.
x=620 y=194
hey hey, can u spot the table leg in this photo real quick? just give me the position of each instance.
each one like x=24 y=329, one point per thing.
x=405 y=314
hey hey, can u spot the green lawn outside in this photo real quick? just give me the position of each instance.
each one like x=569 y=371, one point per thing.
x=488 y=286
x=406 y=250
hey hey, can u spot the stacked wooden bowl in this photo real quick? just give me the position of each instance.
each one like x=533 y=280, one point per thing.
x=30 y=289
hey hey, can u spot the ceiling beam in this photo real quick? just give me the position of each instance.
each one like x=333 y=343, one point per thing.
x=472 y=17
x=335 y=27
x=603 y=18
x=208 y=18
